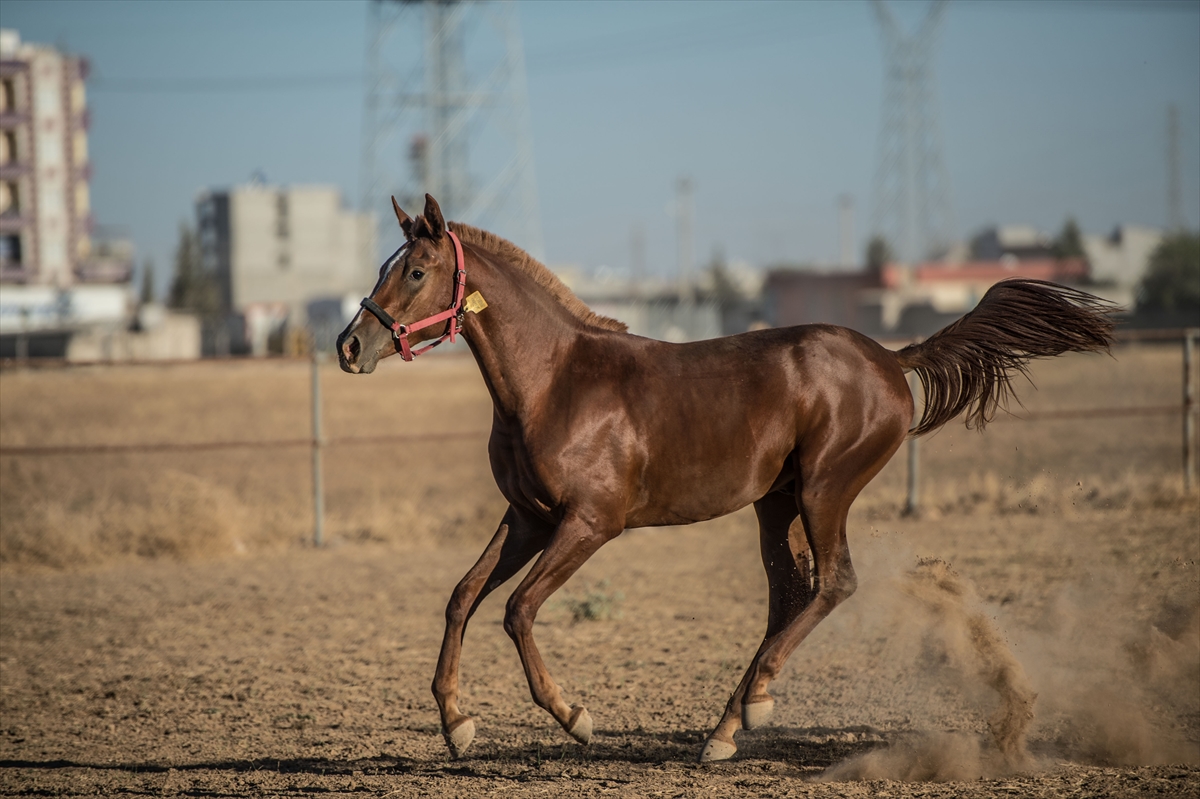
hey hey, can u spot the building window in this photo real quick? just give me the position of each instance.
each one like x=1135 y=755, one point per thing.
x=79 y=153
x=10 y=250
x=8 y=148
x=8 y=97
x=10 y=199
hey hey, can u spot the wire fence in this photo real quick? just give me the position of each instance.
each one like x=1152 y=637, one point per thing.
x=1188 y=408
x=317 y=442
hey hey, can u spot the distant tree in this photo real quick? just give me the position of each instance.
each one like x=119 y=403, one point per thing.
x=147 y=294
x=1069 y=243
x=192 y=288
x=879 y=252
x=724 y=290
x=1172 y=280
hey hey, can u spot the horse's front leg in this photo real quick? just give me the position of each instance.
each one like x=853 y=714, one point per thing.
x=515 y=543
x=575 y=540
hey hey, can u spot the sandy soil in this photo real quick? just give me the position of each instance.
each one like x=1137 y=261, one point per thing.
x=164 y=631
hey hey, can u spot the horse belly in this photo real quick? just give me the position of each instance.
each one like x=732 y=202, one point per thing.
x=708 y=477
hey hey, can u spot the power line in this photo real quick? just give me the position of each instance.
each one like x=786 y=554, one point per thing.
x=598 y=52
x=645 y=45
x=258 y=83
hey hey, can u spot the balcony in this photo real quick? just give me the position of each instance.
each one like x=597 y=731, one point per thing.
x=13 y=119
x=11 y=222
x=14 y=170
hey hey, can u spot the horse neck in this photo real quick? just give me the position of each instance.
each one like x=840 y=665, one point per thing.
x=518 y=338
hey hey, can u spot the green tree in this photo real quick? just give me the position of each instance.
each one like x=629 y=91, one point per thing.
x=1069 y=243
x=147 y=293
x=724 y=290
x=1172 y=279
x=192 y=289
x=879 y=252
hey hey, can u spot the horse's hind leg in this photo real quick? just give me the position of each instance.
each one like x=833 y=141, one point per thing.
x=515 y=543
x=829 y=475
x=785 y=557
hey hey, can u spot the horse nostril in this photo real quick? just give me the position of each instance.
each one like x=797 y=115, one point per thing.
x=351 y=349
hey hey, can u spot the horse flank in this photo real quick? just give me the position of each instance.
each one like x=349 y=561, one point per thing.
x=515 y=256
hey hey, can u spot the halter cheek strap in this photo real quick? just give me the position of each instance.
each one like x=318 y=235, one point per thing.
x=454 y=314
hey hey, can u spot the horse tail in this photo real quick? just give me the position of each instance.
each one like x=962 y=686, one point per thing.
x=969 y=365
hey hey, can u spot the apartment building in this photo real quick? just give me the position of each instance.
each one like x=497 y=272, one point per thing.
x=54 y=280
x=281 y=253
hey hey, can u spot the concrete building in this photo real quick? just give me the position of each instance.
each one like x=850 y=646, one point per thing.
x=54 y=280
x=1119 y=261
x=808 y=297
x=718 y=302
x=1023 y=242
x=45 y=203
x=277 y=252
x=901 y=301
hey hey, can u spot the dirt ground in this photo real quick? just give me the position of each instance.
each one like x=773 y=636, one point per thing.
x=165 y=630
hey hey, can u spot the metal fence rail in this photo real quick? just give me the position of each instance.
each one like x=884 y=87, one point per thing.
x=1188 y=408
x=199 y=446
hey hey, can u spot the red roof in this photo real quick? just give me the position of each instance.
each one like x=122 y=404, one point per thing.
x=1059 y=271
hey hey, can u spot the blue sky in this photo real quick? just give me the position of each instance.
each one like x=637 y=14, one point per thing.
x=773 y=108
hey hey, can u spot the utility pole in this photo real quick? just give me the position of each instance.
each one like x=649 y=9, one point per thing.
x=637 y=253
x=912 y=208
x=684 y=211
x=637 y=279
x=846 y=230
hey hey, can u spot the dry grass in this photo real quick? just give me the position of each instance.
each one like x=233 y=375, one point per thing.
x=81 y=511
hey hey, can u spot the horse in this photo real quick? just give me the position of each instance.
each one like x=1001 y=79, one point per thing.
x=596 y=430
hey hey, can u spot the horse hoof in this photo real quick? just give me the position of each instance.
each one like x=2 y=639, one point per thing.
x=717 y=749
x=580 y=725
x=459 y=737
x=756 y=712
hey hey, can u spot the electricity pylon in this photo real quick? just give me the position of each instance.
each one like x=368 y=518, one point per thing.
x=446 y=111
x=912 y=207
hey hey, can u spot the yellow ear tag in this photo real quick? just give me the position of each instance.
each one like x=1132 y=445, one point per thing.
x=475 y=303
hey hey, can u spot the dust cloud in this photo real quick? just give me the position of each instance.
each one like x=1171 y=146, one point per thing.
x=1092 y=682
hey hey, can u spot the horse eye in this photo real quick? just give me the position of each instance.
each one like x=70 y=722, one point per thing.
x=417 y=274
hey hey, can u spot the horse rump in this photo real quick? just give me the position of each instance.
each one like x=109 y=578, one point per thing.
x=969 y=364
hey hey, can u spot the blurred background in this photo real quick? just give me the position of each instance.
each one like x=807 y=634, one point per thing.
x=212 y=178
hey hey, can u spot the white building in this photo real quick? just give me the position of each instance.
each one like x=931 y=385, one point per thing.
x=1119 y=261
x=52 y=277
x=277 y=251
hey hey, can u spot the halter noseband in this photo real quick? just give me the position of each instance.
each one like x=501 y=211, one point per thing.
x=454 y=313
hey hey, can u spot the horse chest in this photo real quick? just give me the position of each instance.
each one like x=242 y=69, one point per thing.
x=523 y=477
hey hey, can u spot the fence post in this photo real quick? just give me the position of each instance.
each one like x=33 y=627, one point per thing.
x=912 y=505
x=1189 y=408
x=318 y=482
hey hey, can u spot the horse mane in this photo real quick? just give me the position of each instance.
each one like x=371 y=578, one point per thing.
x=522 y=260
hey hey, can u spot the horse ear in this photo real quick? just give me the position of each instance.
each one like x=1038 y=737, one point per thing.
x=433 y=217
x=403 y=218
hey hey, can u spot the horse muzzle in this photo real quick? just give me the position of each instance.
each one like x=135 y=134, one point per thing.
x=359 y=353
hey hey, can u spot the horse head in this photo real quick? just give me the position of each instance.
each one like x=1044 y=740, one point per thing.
x=417 y=282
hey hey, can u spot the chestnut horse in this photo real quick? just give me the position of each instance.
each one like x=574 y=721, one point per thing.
x=596 y=431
